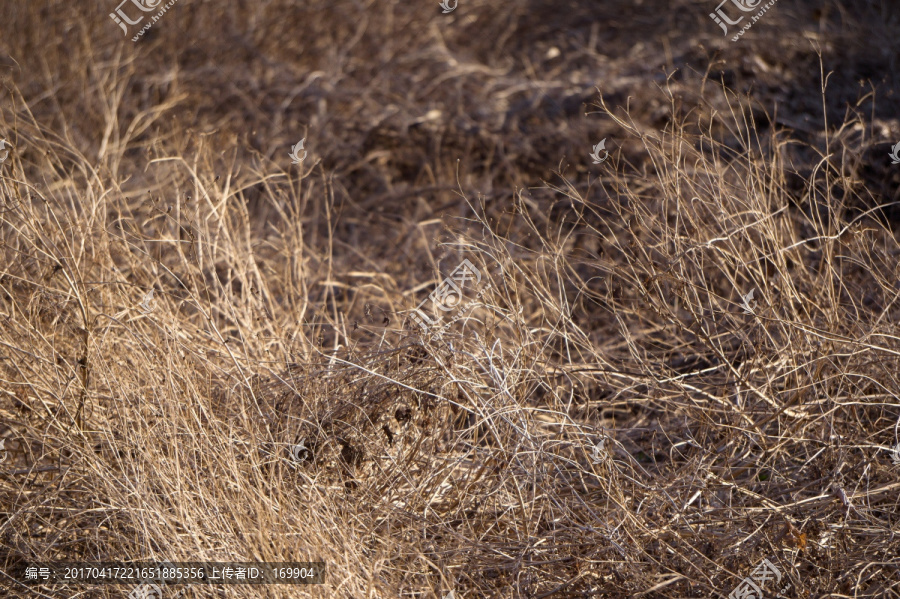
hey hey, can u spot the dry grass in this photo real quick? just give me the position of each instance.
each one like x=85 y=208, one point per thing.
x=611 y=312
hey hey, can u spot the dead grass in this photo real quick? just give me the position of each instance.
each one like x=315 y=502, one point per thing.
x=612 y=312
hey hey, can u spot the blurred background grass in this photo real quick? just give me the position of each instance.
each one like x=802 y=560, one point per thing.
x=613 y=311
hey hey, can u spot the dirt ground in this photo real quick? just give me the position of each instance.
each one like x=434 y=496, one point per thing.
x=575 y=299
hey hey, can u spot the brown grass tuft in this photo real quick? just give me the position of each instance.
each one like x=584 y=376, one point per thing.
x=612 y=416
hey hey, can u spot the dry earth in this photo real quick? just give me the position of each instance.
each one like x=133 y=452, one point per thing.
x=671 y=366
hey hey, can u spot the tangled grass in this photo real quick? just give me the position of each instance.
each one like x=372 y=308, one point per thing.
x=679 y=362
